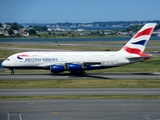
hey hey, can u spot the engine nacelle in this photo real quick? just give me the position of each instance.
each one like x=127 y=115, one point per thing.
x=92 y=67
x=57 y=68
x=74 y=67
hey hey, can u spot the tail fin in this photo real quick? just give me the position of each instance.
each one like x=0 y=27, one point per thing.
x=138 y=42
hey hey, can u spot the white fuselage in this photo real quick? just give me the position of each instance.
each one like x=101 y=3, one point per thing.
x=45 y=59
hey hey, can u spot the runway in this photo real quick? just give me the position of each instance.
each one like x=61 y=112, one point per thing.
x=105 y=76
x=78 y=109
x=79 y=91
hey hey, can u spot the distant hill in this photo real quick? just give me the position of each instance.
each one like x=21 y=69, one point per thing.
x=109 y=25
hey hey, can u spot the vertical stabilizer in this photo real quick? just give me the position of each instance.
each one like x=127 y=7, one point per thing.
x=138 y=42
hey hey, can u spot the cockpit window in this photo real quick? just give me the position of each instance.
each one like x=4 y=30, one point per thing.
x=8 y=59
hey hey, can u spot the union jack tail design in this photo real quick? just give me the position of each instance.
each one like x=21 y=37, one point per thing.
x=138 y=42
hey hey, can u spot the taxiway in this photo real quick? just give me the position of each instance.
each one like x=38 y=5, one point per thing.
x=78 y=109
x=143 y=76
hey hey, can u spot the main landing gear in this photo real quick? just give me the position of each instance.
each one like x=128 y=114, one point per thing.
x=82 y=73
x=12 y=71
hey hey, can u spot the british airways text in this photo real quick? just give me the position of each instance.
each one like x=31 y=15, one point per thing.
x=40 y=59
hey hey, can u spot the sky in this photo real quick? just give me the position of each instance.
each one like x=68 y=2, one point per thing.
x=78 y=11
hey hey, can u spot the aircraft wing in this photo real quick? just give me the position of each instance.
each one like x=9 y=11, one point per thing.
x=47 y=65
x=91 y=63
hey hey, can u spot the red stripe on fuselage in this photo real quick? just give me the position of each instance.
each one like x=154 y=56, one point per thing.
x=23 y=55
x=144 y=32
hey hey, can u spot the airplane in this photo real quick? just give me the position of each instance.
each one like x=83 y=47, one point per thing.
x=77 y=62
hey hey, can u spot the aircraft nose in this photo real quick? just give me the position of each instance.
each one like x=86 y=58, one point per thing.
x=4 y=63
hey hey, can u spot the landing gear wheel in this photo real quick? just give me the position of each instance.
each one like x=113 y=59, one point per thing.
x=81 y=73
x=12 y=72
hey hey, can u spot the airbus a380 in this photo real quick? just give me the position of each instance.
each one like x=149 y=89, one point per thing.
x=78 y=62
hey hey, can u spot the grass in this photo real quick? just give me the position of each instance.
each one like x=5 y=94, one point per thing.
x=81 y=97
x=58 y=46
x=81 y=83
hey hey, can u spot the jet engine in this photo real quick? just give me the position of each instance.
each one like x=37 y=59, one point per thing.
x=74 y=67
x=57 y=68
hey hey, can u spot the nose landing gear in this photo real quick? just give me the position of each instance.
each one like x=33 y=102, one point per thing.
x=12 y=71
